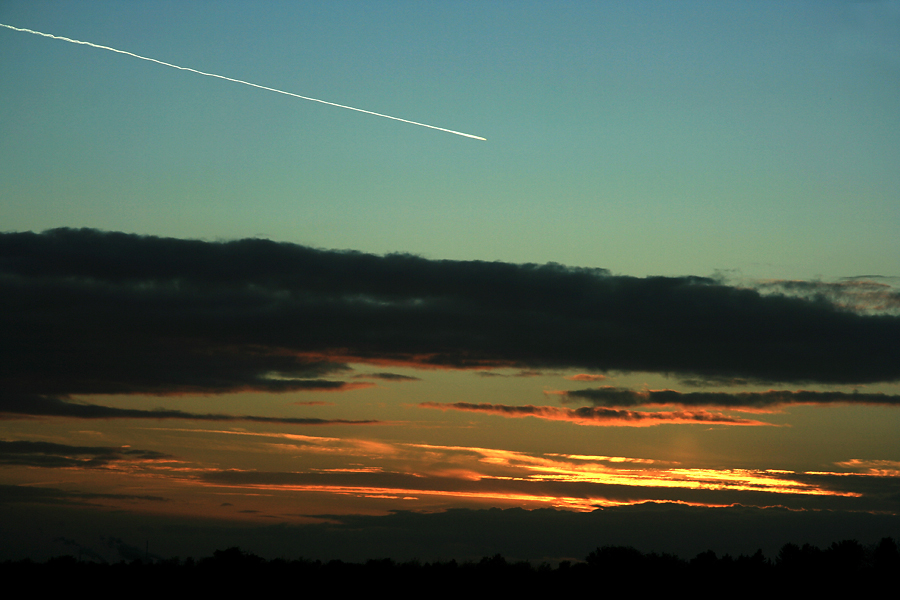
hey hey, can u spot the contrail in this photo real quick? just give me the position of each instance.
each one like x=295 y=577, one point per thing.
x=256 y=85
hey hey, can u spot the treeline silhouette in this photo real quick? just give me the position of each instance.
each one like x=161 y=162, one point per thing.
x=796 y=569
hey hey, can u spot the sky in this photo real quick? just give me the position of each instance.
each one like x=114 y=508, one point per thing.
x=658 y=305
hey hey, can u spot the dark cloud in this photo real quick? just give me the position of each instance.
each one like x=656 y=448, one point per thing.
x=868 y=293
x=44 y=406
x=86 y=312
x=387 y=376
x=23 y=494
x=619 y=397
x=597 y=416
x=49 y=454
x=884 y=490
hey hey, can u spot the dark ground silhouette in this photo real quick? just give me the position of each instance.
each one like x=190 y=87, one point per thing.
x=846 y=565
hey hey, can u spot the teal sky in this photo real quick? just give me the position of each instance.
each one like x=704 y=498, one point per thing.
x=647 y=138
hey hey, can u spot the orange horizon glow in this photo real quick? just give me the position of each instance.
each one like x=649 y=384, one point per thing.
x=444 y=465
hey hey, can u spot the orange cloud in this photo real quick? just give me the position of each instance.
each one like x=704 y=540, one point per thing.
x=434 y=476
x=768 y=401
x=598 y=416
x=586 y=377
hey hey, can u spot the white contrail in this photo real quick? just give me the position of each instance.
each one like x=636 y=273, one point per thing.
x=256 y=85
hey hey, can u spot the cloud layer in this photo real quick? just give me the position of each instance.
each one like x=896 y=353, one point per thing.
x=87 y=312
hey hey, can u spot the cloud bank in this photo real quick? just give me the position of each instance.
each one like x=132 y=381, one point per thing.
x=89 y=312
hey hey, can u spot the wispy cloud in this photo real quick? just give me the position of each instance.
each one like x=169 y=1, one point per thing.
x=586 y=377
x=868 y=293
x=386 y=376
x=597 y=416
x=609 y=396
x=429 y=476
x=21 y=494
x=44 y=406
x=426 y=473
x=53 y=455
